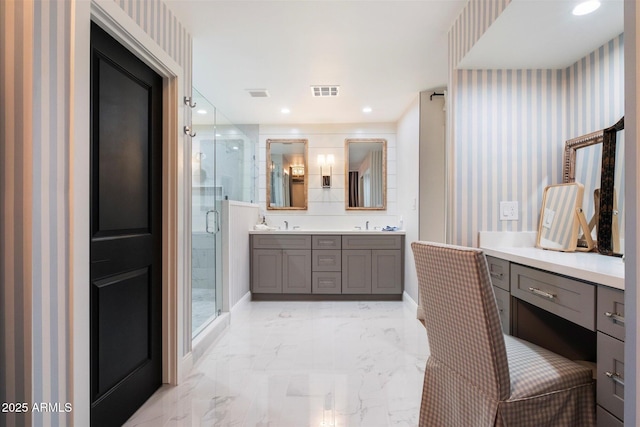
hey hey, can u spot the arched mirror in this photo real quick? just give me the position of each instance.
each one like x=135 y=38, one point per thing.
x=287 y=174
x=366 y=177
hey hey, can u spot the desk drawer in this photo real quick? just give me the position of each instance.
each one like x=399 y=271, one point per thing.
x=281 y=241
x=326 y=242
x=611 y=374
x=567 y=298
x=499 y=272
x=611 y=312
x=326 y=260
x=605 y=419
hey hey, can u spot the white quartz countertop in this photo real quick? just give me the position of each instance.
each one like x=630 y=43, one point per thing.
x=341 y=232
x=588 y=266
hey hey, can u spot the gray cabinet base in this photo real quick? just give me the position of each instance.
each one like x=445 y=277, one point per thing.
x=324 y=297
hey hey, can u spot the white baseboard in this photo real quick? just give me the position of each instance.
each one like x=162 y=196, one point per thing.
x=241 y=302
x=410 y=302
x=186 y=364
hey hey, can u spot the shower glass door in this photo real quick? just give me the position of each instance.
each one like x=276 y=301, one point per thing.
x=206 y=238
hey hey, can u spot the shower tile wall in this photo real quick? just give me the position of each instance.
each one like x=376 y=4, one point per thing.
x=203 y=259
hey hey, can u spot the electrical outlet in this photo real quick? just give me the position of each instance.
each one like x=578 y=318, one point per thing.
x=508 y=211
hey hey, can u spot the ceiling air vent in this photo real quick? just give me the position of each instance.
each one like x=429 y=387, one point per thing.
x=324 y=91
x=258 y=93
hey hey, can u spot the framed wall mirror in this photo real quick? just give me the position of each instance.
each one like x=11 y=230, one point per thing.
x=366 y=177
x=611 y=225
x=287 y=174
x=583 y=164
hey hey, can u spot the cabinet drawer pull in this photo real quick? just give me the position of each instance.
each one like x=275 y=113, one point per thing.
x=542 y=293
x=616 y=317
x=497 y=276
x=615 y=377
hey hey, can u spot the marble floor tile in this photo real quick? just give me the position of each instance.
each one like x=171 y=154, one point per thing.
x=297 y=364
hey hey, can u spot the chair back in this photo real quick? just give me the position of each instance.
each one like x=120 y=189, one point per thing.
x=462 y=322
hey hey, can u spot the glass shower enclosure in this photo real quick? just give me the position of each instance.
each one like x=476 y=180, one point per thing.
x=223 y=168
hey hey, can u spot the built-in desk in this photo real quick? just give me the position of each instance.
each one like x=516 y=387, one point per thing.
x=570 y=303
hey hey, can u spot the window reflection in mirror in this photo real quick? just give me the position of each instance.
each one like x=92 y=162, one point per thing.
x=366 y=178
x=287 y=174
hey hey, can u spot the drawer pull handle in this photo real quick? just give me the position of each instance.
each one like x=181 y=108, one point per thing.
x=615 y=377
x=616 y=317
x=542 y=293
x=497 y=276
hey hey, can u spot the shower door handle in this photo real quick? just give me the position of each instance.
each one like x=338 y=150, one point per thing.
x=216 y=219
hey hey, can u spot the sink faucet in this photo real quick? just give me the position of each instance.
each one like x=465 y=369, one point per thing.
x=366 y=226
x=286 y=225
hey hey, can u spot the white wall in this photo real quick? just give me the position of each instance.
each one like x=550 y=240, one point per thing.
x=433 y=167
x=408 y=191
x=326 y=207
x=237 y=219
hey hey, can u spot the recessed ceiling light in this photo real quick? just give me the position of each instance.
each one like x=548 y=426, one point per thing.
x=586 y=7
x=202 y=111
x=235 y=147
x=367 y=110
x=285 y=111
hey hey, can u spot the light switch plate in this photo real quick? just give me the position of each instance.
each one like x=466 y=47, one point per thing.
x=508 y=211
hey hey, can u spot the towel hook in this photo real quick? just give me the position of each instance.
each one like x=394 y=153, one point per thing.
x=188 y=101
x=187 y=130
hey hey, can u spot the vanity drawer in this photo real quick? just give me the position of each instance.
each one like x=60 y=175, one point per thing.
x=605 y=419
x=611 y=374
x=499 y=272
x=503 y=300
x=567 y=298
x=281 y=241
x=371 y=242
x=326 y=282
x=326 y=242
x=326 y=260
x=611 y=312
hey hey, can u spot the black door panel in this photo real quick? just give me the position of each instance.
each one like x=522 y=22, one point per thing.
x=126 y=233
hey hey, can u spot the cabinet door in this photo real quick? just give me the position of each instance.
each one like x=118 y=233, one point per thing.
x=356 y=272
x=386 y=270
x=266 y=271
x=296 y=265
x=503 y=300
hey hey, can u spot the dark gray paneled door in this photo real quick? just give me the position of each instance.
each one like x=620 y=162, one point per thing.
x=126 y=227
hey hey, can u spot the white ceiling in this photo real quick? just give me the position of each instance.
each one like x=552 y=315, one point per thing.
x=381 y=53
x=544 y=34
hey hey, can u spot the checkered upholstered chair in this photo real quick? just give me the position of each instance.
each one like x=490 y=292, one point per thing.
x=475 y=375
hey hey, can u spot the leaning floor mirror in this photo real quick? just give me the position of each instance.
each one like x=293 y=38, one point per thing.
x=583 y=164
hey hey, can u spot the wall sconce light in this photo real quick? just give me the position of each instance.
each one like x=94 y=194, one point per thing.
x=326 y=162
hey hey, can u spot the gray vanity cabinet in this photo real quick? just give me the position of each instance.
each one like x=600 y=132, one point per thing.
x=327 y=266
x=281 y=264
x=499 y=272
x=372 y=264
x=611 y=334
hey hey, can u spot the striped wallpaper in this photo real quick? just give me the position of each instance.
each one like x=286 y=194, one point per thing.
x=36 y=64
x=16 y=217
x=508 y=127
